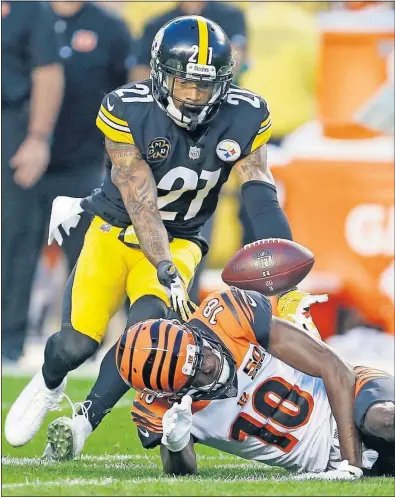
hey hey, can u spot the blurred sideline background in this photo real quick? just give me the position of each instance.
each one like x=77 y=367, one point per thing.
x=326 y=71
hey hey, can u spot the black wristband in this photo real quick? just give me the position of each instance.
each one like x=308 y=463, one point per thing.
x=166 y=272
x=165 y=265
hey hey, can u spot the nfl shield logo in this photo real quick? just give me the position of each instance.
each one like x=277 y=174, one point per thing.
x=194 y=153
x=263 y=259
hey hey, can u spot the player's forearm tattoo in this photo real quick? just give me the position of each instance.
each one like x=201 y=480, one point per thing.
x=133 y=177
x=254 y=167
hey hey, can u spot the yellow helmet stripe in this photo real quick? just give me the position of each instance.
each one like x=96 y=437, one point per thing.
x=203 y=41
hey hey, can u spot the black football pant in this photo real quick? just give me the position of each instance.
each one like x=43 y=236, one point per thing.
x=24 y=219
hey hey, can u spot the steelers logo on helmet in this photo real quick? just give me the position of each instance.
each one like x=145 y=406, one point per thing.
x=192 y=67
x=228 y=150
x=157 y=42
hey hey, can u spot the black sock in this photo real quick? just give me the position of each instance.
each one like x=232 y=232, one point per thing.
x=109 y=386
x=107 y=390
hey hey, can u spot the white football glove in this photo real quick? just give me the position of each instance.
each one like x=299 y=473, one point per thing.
x=177 y=423
x=66 y=213
x=344 y=472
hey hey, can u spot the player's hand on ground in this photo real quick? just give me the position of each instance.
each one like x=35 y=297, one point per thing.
x=177 y=423
x=345 y=471
x=170 y=278
x=295 y=305
x=66 y=213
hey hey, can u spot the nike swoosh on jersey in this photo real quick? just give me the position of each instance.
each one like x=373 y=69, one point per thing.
x=143 y=431
x=110 y=107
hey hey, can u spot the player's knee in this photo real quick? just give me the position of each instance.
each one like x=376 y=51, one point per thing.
x=380 y=421
x=70 y=347
x=146 y=307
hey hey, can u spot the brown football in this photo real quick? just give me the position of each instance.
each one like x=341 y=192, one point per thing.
x=269 y=266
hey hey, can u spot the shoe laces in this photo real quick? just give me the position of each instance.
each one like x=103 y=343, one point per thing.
x=78 y=408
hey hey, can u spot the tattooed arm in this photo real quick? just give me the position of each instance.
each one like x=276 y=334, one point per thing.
x=133 y=177
x=260 y=196
x=254 y=167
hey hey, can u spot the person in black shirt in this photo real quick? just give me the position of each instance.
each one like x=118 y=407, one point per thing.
x=95 y=48
x=32 y=88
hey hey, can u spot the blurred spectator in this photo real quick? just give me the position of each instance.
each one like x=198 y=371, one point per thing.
x=230 y=18
x=95 y=47
x=32 y=88
x=284 y=48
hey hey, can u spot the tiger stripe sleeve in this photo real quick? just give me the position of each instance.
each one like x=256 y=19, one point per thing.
x=148 y=419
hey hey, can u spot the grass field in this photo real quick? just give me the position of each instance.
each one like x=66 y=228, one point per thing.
x=114 y=463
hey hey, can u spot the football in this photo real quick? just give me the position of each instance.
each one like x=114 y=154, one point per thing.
x=271 y=266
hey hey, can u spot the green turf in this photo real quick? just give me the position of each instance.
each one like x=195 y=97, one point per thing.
x=114 y=463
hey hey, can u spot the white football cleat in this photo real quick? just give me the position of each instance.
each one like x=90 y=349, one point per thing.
x=66 y=436
x=29 y=410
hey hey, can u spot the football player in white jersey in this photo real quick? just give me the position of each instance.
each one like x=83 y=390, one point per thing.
x=236 y=378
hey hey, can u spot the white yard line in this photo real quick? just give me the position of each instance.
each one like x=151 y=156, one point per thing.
x=108 y=481
x=123 y=403
x=67 y=481
x=109 y=458
x=115 y=461
x=160 y=479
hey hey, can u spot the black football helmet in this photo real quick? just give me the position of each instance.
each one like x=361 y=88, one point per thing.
x=191 y=48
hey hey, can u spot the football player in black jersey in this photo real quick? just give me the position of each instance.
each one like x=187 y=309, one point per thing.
x=172 y=141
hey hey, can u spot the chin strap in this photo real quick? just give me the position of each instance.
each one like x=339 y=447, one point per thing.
x=193 y=123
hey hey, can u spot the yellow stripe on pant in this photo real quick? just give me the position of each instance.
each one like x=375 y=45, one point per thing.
x=108 y=270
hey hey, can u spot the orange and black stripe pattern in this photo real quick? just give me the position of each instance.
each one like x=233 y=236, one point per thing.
x=151 y=355
x=365 y=374
x=233 y=324
x=243 y=305
x=149 y=416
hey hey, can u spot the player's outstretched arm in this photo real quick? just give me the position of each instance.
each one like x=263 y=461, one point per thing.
x=134 y=179
x=179 y=463
x=260 y=196
x=301 y=351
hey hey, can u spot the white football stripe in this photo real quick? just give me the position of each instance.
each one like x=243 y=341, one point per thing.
x=113 y=125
